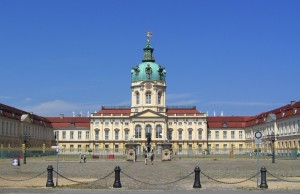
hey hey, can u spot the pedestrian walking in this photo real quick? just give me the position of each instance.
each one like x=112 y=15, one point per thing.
x=80 y=157
x=84 y=158
x=152 y=157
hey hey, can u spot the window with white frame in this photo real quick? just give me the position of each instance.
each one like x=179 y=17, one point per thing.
x=200 y=134
x=180 y=134
x=71 y=134
x=87 y=135
x=148 y=97
x=126 y=134
x=96 y=134
x=79 y=148
x=106 y=134
x=79 y=134
x=159 y=98
x=148 y=130
x=217 y=135
x=224 y=134
x=190 y=123
x=240 y=134
x=71 y=148
x=138 y=131
x=190 y=132
x=116 y=134
x=64 y=135
x=158 y=131
x=106 y=123
x=137 y=98
x=232 y=134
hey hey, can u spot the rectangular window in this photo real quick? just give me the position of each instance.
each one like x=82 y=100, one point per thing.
x=117 y=123
x=217 y=135
x=240 y=147
x=126 y=124
x=199 y=123
x=224 y=134
x=106 y=123
x=200 y=148
x=106 y=147
x=180 y=148
x=199 y=134
x=79 y=134
x=190 y=135
x=87 y=135
x=97 y=135
x=209 y=134
x=190 y=123
x=64 y=135
x=116 y=148
x=232 y=134
x=63 y=148
x=240 y=134
x=87 y=147
x=179 y=123
x=79 y=148
x=97 y=148
x=106 y=135
x=126 y=134
x=225 y=147
x=71 y=148
x=217 y=147
x=97 y=123
x=180 y=135
x=71 y=134
x=170 y=123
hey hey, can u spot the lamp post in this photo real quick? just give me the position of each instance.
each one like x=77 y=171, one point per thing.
x=26 y=138
x=272 y=138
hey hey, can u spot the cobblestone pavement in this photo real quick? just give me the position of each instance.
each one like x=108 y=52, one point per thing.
x=168 y=175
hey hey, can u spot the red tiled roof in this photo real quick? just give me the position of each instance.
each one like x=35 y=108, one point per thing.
x=67 y=121
x=281 y=112
x=114 y=111
x=231 y=121
x=182 y=111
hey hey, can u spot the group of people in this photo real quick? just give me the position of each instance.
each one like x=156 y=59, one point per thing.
x=146 y=155
x=82 y=157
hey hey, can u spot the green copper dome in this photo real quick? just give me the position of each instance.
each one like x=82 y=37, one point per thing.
x=148 y=69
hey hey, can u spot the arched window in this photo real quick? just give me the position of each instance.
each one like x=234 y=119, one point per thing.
x=159 y=98
x=158 y=131
x=137 y=98
x=148 y=129
x=138 y=131
x=148 y=97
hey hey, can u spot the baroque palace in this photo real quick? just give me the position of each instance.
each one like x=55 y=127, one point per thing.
x=189 y=130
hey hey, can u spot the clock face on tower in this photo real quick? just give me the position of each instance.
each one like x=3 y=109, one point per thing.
x=148 y=85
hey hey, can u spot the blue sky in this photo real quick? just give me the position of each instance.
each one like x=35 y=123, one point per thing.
x=239 y=57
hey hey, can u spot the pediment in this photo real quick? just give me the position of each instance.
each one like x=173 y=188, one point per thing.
x=148 y=114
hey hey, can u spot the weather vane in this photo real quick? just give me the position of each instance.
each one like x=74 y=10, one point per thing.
x=149 y=34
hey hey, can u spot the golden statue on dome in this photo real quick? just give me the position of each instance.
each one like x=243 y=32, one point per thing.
x=149 y=34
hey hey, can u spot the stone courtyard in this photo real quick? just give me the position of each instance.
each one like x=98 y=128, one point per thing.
x=175 y=174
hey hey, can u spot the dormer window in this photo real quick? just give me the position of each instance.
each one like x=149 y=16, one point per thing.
x=72 y=124
x=294 y=110
x=282 y=114
x=224 y=124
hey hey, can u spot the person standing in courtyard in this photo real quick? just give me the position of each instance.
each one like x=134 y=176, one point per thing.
x=152 y=157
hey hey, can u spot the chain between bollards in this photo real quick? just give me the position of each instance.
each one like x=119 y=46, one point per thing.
x=117 y=183
x=197 y=183
x=50 y=177
x=263 y=182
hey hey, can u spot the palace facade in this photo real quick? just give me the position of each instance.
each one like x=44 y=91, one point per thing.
x=189 y=130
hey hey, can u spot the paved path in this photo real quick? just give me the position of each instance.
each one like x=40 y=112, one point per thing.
x=168 y=176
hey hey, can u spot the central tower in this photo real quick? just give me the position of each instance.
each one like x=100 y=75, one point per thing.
x=148 y=83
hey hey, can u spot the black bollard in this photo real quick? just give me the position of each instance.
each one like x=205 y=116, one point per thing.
x=263 y=181
x=50 y=177
x=197 y=183
x=117 y=183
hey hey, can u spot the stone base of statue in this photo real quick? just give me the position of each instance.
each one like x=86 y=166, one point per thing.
x=131 y=151
x=166 y=154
